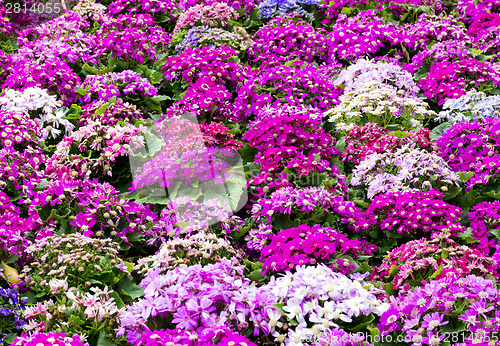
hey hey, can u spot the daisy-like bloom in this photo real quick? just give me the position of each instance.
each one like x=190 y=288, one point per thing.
x=294 y=310
x=433 y=321
x=49 y=338
x=424 y=323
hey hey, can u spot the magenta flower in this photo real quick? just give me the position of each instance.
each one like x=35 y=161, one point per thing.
x=84 y=221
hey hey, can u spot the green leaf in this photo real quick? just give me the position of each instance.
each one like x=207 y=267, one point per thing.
x=102 y=109
x=256 y=275
x=128 y=286
x=493 y=194
x=363 y=323
x=389 y=289
x=104 y=341
x=154 y=143
x=130 y=266
x=279 y=307
x=452 y=192
x=11 y=259
x=281 y=221
x=31 y=297
x=374 y=332
x=81 y=91
x=438 y=131
x=118 y=301
x=464 y=176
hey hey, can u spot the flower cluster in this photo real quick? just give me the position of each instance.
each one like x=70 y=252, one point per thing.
x=309 y=205
x=110 y=113
x=216 y=63
x=365 y=71
x=73 y=260
x=18 y=131
x=473 y=147
x=413 y=213
x=126 y=84
x=14 y=229
x=199 y=248
x=96 y=150
x=363 y=35
x=89 y=314
x=131 y=38
x=11 y=306
x=41 y=106
x=202 y=36
x=184 y=216
x=408 y=265
x=194 y=298
x=379 y=103
x=269 y=8
x=314 y=298
x=404 y=170
x=49 y=338
x=288 y=38
x=361 y=142
x=303 y=245
x=473 y=105
x=213 y=15
x=484 y=220
x=88 y=207
x=450 y=80
x=294 y=85
x=470 y=302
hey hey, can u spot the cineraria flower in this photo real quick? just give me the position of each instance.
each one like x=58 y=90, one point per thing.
x=109 y=113
x=473 y=147
x=130 y=37
x=199 y=248
x=421 y=314
x=297 y=85
x=94 y=307
x=71 y=257
x=409 y=265
x=197 y=299
x=364 y=71
x=14 y=229
x=48 y=338
x=378 y=102
x=471 y=106
x=433 y=28
x=304 y=244
x=407 y=169
x=309 y=205
x=363 y=35
x=412 y=213
x=202 y=36
x=361 y=142
x=196 y=63
x=113 y=215
x=315 y=299
x=484 y=220
x=269 y=8
x=11 y=308
x=105 y=86
x=96 y=150
x=447 y=79
x=18 y=131
x=286 y=38
x=213 y=15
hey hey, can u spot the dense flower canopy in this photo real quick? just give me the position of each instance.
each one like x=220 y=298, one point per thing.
x=249 y=173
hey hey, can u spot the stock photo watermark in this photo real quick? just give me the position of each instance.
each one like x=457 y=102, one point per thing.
x=178 y=166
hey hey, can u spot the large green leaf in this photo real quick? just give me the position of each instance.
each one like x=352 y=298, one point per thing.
x=104 y=341
x=438 y=131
